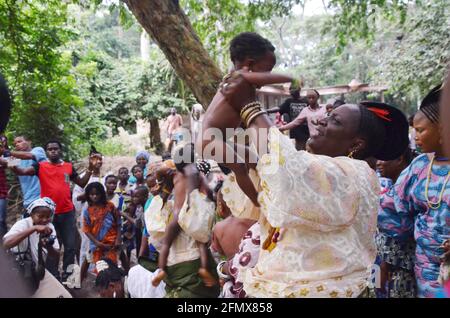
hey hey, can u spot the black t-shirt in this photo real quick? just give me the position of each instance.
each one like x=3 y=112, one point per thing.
x=293 y=107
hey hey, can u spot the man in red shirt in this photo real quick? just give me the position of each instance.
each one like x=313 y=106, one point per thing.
x=55 y=176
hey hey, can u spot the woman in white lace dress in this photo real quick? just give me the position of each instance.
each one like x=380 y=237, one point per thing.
x=318 y=209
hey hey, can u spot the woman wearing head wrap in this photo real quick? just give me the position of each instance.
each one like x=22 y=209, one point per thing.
x=318 y=208
x=142 y=159
x=37 y=233
x=422 y=199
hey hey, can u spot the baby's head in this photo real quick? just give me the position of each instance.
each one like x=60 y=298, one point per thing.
x=253 y=51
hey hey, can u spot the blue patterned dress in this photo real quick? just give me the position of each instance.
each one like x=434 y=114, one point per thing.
x=398 y=252
x=411 y=216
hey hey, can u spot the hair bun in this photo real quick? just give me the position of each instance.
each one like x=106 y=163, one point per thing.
x=396 y=126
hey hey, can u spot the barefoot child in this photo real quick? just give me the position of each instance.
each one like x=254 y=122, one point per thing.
x=186 y=179
x=101 y=224
x=253 y=53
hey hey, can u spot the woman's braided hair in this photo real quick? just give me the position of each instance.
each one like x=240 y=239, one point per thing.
x=430 y=104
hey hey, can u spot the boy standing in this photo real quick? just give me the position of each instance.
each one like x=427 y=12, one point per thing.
x=31 y=188
x=55 y=176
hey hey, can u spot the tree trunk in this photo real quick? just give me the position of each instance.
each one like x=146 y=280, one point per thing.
x=170 y=28
x=155 y=136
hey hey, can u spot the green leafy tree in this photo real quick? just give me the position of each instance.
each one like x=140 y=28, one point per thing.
x=38 y=72
x=420 y=55
x=360 y=19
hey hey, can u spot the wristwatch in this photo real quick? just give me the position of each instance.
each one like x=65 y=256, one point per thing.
x=220 y=272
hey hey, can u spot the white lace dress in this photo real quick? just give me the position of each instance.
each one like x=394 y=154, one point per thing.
x=328 y=207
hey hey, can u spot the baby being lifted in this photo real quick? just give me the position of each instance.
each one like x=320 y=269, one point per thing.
x=253 y=58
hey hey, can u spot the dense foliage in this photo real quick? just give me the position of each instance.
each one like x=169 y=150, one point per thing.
x=37 y=71
x=77 y=72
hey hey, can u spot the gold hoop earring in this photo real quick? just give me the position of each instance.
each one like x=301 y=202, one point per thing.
x=351 y=154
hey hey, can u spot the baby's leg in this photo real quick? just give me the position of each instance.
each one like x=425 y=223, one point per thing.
x=206 y=276
x=172 y=231
x=223 y=152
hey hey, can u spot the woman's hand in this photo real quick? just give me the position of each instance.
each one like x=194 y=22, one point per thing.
x=43 y=229
x=237 y=91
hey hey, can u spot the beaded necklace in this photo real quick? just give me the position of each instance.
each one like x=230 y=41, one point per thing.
x=435 y=205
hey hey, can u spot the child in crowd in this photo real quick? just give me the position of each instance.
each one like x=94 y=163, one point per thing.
x=138 y=174
x=255 y=56
x=111 y=194
x=150 y=180
x=101 y=224
x=134 y=216
x=142 y=159
x=123 y=187
x=329 y=108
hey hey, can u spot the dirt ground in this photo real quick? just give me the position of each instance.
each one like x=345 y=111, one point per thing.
x=88 y=289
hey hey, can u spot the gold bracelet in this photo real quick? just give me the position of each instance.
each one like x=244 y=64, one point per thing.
x=250 y=113
x=253 y=117
x=249 y=105
x=248 y=109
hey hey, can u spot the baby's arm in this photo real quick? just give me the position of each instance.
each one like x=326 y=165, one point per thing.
x=265 y=78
